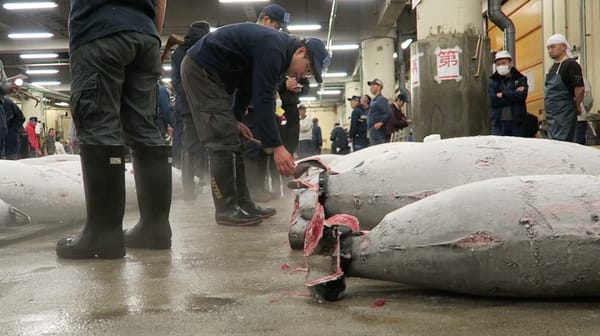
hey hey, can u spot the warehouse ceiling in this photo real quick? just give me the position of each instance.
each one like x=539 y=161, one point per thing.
x=354 y=21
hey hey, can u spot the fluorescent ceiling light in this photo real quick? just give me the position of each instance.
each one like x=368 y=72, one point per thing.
x=63 y=104
x=29 y=5
x=30 y=35
x=344 y=47
x=212 y=29
x=167 y=67
x=406 y=43
x=313 y=85
x=307 y=98
x=42 y=71
x=167 y=80
x=395 y=55
x=46 y=83
x=35 y=56
x=334 y=74
x=304 y=27
x=329 y=92
x=238 y=1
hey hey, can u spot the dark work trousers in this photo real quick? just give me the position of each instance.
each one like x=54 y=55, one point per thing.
x=210 y=105
x=114 y=96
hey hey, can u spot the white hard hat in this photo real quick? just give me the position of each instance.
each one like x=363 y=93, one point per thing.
x=502 y=54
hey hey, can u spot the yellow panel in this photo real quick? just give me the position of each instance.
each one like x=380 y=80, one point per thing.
x=527 y=18
x=529 y=50
x=496 y=39
x=536 y=108
x=513 y=5
x=535 y=80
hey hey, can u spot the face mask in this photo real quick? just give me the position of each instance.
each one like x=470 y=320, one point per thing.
x=503 y=70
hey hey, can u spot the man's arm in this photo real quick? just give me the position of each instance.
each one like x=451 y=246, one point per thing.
x=159 y=18
x=579 y=92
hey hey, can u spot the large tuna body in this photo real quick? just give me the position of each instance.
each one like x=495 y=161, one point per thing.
x=532 y=236
x=389 y=181
x=50 y=189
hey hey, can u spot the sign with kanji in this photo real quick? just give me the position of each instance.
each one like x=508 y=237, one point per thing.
x=448 y=64
x=415 y=76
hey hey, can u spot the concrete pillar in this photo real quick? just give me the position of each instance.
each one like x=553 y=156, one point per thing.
x=448 y=76
x=377 y=55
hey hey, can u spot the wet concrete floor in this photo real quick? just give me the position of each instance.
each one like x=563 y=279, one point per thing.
x=235 y=281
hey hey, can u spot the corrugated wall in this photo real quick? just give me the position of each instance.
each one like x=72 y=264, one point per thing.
x=527 y=17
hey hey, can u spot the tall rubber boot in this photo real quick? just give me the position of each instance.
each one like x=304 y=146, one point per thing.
x=103 y=171
x=188 y=170
x=223 y=183
x=243 y=195
x=152 y=173
x=256 y=180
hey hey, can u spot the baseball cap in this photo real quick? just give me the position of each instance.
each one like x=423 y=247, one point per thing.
x=33 y=119
x=301 y=106
x=320 y=58
x=277 y=13
x=375 y=81
x=502 y=54
x=354 y=98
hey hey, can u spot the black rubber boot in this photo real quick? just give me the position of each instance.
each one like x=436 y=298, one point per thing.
x=223 y=183
x=188 y=169
x=243 y=195
x=152 y=172
x=256 y=179
x=103 y=171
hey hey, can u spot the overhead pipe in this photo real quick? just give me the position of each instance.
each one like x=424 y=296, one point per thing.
x=505 y=24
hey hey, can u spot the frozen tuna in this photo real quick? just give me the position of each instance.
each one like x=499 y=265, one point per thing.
x=377 y=185
x=530 y=236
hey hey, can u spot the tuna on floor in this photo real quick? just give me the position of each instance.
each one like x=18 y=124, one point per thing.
x=520 y=236
x=374 y=185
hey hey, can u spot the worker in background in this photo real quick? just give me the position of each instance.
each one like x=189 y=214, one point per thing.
x=379 y=113
x=32 y=138
x=194 y=160
x=398 y=120
x=507 y=93
x=358 y=124
x=563 y=90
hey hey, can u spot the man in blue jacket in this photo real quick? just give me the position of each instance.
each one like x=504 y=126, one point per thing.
x=358 y=124
x=379 y=113
x=247 y=60
x=507 y=92
x=115 y=64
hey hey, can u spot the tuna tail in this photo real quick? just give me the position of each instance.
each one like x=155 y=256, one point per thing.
x=322 y=236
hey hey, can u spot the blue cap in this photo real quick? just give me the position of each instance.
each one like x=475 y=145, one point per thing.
x=320 y=58
x=278 y=14
x=357 y=98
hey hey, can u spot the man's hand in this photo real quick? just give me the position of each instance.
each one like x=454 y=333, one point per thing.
x=245 y=132
x=520 y=89
x=378 y=125
x=499 y=94
x=292 y=85
x=579 y=111
x=284 y=161
x=408 y=121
